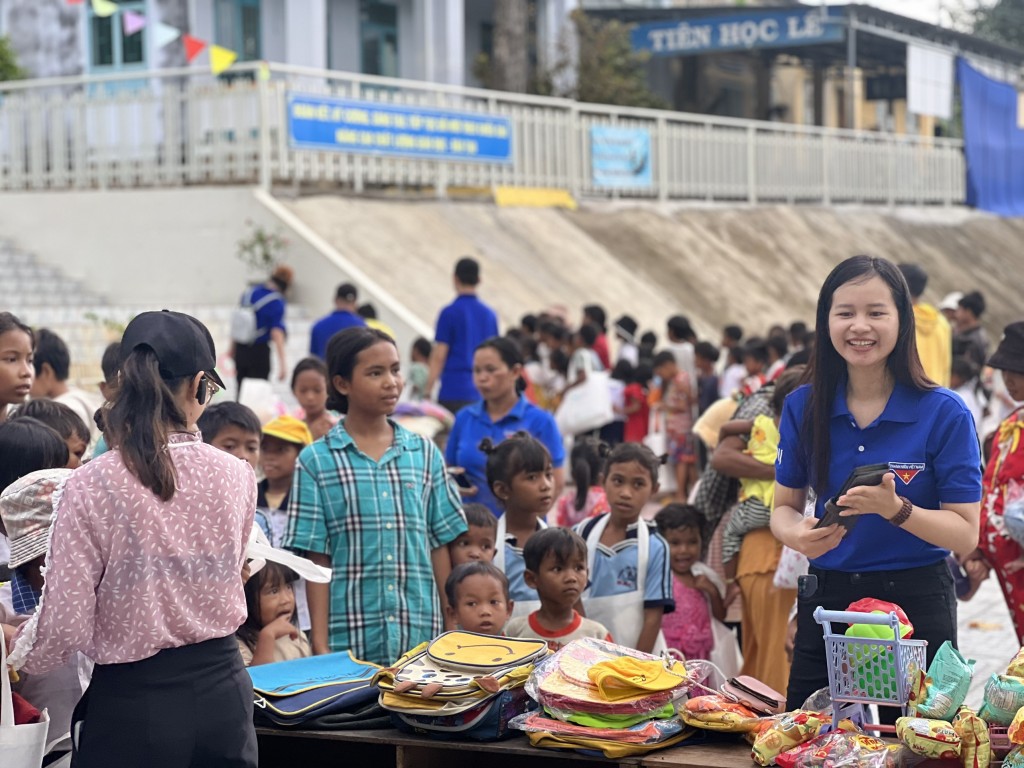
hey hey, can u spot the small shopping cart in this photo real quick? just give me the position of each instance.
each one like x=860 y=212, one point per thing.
x=867 y=670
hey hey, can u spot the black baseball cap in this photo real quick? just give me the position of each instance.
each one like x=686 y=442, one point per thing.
x=183 y=345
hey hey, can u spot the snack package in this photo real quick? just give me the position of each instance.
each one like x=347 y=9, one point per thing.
x=784 y=732
x=717 y=713
x=947 y=683
x=1016 y=666
x=841 y=749
x=1016 y=730
x=1015 y=759
x=929 y=738
x=975 y=745
x=1004 y=695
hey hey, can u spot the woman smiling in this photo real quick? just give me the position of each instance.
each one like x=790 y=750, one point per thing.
x=503 y=411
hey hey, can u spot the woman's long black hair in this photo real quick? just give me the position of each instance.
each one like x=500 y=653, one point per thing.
x=827 y=370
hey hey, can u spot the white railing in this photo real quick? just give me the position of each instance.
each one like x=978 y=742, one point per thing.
x=180 y=127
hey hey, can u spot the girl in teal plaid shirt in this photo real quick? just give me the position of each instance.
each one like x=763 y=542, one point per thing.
x=372 y=501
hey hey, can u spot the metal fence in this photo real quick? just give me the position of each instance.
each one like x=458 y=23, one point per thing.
x=181 y=127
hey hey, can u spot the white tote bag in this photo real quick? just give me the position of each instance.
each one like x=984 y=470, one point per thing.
x=657 y=441
x=21 y=746
x=586 y=407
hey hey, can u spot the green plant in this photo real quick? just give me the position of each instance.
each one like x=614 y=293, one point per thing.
x=9 y=69
x=261 y=249
x=113 y=328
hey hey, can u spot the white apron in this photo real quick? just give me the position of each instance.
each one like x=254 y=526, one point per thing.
x=521 y=607
x=622 y=615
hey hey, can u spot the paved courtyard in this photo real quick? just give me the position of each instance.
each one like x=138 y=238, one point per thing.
x=986 y=635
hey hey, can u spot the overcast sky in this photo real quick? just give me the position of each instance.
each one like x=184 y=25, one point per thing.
x=926 y=10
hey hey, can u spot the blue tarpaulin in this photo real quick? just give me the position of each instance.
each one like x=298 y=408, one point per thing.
x=993 y=144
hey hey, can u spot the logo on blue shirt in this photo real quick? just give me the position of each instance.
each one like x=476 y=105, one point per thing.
x=627 y=577
x=904 y=471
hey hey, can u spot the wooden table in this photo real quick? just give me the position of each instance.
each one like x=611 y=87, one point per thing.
x=384 y=748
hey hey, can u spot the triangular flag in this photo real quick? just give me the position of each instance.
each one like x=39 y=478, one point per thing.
x=193 y=46
x=263 y=73
x=164 y=34
x=132 y=22
x=221 y=58
x=104 y=8
x=75 y=2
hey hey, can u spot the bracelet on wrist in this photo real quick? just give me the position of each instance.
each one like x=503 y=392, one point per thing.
x=901 y=517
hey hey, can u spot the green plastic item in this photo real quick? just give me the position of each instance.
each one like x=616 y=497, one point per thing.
x=614 y=721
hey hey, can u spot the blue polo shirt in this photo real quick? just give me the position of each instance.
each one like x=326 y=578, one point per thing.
x=326 y=327
x=463 y=325
x=928 y=439
x=269 y=316
x=473 y=424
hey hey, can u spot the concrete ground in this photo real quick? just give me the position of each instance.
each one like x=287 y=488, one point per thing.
x=986 y=635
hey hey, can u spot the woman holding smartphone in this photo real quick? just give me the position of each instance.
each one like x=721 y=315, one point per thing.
x=868 y=401
x=502 y=411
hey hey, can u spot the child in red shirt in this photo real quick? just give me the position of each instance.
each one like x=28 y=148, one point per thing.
x=637 y=410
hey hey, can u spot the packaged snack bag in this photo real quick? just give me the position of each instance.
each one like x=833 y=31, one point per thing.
x=717 y=713
x=1016 y=730
x=840 y=749
x=975 y=745
x=929 y=738
x=786 y=731
x=1015 y=759
x=1004 y=695
x=948 y=680
x=1016 y=666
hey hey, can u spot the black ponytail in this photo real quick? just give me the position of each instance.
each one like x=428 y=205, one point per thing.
x=143 y=413
x=587 y=458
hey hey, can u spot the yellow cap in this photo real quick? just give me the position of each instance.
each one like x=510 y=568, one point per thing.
x=289 y=429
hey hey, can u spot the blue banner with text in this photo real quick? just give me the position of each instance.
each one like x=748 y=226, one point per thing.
x=344 y=125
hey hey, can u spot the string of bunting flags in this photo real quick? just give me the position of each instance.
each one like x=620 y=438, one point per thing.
x=133 y=23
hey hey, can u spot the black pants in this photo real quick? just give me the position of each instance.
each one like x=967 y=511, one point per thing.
x=252 y=361
x=925 y=594
x=188 y=707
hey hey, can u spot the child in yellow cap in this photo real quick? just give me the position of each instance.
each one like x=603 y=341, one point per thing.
x=282 y=440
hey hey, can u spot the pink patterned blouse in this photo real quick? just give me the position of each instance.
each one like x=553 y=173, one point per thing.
x=128 y=574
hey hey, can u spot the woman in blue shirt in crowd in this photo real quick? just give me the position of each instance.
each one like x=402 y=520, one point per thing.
x=503 y=411
x=868 y=401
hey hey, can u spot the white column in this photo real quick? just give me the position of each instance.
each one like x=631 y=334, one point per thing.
x=556 y=38
x=343 y=35
x=306 y=32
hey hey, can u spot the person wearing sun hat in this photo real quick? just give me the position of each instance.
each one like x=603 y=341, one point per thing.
x=26 y=507
x=1002 y=509
x=144 y=569
x=283 y=438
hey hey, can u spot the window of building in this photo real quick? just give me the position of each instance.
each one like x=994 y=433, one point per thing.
x=378 y=34
x=110 y=49
x=237 y=26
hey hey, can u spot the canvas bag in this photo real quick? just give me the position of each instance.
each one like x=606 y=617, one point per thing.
x=657 y=441
x=243 y=327
x=291 y=692
x=21 y=746
x=485 y=721
x=462 y=664
x=586 y=407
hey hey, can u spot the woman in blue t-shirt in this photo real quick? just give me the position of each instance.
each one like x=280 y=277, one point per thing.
x=868 y=401
x=502 y=411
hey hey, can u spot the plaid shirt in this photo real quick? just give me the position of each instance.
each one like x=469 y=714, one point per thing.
x=379 y=521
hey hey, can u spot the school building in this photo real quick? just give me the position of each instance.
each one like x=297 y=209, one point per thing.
x=848 y=66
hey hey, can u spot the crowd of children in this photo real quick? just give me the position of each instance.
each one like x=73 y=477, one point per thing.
x=344 y=485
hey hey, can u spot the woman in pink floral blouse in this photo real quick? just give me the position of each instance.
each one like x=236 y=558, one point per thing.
x=143 y=570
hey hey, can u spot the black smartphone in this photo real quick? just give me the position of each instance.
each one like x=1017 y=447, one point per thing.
x=869 y=474
x=461 y=479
